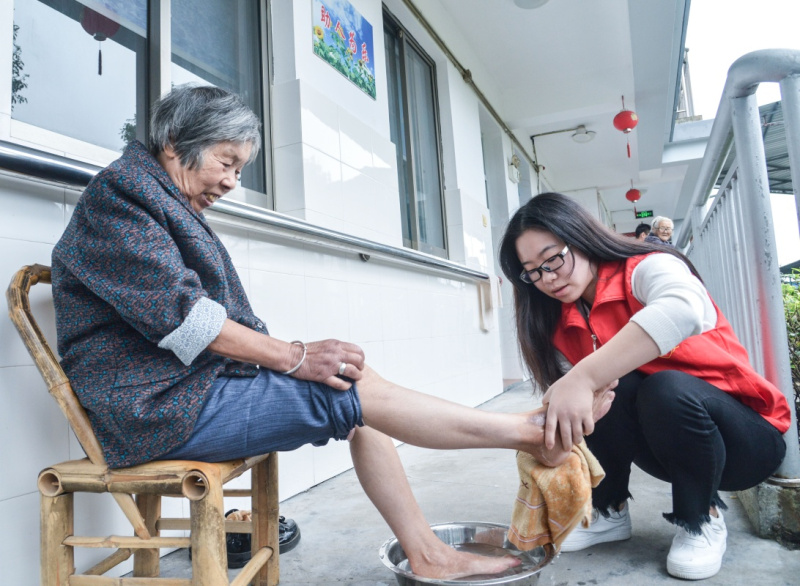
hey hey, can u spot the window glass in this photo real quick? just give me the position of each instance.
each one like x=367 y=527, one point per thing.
x=425 y=146
x=75 y=67
x=225 y=55
x=415 y=132
x=394 y=73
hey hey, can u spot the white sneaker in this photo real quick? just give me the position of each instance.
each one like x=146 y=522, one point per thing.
x=695 y=557
x=617 y=527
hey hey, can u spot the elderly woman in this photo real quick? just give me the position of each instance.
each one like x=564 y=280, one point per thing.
x=164 y=351
x=661 y=233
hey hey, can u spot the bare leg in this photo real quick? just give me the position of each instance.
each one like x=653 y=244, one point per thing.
x=381 y=474
x=430 y=422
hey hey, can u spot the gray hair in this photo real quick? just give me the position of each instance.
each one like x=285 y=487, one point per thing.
x=657 y=220
x=193 y=118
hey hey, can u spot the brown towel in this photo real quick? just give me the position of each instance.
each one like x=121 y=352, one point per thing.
x=551 y=501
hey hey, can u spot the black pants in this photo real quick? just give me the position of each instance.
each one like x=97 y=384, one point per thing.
x=685 y=431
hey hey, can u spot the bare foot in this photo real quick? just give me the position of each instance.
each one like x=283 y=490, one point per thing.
x=446 y=563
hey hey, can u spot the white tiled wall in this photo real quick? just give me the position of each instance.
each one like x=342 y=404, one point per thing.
x=331 y=168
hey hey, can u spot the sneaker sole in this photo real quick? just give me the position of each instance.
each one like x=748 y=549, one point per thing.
x=618 y=534
x=693 y=572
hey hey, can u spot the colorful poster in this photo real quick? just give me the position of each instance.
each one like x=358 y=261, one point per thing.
x=343 y=38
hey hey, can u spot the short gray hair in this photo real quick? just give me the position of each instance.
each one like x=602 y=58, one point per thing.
x=657 y=220
x=193 y=118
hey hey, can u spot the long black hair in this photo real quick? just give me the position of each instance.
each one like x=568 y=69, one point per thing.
x=538 y=315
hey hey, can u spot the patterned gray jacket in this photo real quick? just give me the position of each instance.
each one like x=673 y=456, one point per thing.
x=141 y=286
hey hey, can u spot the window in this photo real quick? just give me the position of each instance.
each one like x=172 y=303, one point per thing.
x=414 y=128
x=78 y=68
x=85 y=69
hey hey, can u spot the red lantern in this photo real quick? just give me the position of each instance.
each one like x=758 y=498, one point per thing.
x=101 y=28
x=633 y=195
x=626 y=121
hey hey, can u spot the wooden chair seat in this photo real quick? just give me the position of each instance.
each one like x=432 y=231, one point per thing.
x=138 y=491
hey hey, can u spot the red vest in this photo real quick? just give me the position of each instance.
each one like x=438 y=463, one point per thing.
x=716 y=356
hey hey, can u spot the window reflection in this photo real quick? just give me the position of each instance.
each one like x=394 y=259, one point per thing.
x=80 y=68
x=78 y=64
x=225 y=55
x=414 y=130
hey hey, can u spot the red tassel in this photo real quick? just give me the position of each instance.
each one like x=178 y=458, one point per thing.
x=629 y=148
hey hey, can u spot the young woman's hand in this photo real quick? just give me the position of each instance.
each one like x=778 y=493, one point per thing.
x=569 y=412
x=573 y=409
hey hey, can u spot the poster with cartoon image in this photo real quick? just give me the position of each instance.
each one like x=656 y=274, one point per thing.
x=343 y=38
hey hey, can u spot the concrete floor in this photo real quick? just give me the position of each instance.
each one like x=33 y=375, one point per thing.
x=341 y=531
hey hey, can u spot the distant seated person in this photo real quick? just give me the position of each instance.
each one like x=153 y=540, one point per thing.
x=165 y=353
x=642 y=231
x=661 y=232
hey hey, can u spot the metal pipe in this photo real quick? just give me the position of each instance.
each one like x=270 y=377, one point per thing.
x=75 y=174
x=766 y=295
x=326 y=237
x=790 y=98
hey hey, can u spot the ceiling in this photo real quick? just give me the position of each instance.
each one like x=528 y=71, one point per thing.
x=568 y=63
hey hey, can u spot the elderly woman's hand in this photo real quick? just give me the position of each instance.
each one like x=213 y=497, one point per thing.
x=324 y=362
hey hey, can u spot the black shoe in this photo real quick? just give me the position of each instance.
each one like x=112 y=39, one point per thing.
x=239 y=543
x=238 y=547
x=288 y=534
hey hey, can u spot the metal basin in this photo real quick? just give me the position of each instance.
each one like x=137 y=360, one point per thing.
x=487 y=539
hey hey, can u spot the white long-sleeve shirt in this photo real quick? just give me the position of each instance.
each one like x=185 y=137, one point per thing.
x=676 y=303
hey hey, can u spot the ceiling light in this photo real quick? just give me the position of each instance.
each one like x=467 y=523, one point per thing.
x=530 y=4
x=582 y=135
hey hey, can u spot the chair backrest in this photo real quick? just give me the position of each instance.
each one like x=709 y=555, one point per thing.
x=19 y=310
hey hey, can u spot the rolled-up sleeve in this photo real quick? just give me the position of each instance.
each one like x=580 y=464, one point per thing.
x=198 y=330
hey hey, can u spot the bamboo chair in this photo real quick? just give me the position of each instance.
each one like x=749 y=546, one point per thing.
x=138 y=491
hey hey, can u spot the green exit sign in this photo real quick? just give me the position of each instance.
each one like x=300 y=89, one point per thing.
x=645 y=214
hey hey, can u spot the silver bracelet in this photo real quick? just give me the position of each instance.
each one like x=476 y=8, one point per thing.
x=302 y=358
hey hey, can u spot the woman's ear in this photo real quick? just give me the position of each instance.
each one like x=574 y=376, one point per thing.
x=169 y=151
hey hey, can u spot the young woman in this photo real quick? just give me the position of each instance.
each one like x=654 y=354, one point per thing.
x=593 y=306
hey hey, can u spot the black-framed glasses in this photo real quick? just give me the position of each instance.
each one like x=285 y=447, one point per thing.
x=552 y=264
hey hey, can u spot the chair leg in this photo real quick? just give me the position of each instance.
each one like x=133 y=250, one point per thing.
x=146 y=562
x=57 y=523
x=209 y=553
x=264 y=487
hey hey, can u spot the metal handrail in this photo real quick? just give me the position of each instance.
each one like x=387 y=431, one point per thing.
x=750 y=235
x=744 y=77
x=51 y=167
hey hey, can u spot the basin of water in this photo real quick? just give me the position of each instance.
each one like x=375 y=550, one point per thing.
x=489 y=539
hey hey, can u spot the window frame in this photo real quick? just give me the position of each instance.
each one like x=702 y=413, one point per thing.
x=404 y=40
x=155 y=81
